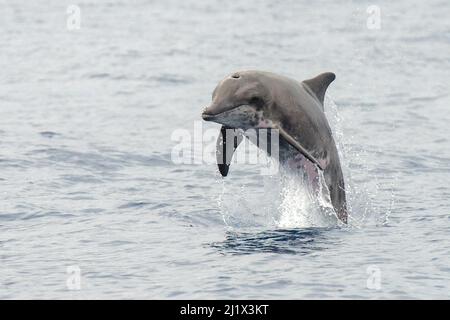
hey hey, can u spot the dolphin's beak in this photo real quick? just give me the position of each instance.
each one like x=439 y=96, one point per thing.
x=207 y=117
x=210 y=112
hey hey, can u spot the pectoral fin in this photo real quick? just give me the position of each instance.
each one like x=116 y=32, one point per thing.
x=299 y=147
x=227 y=142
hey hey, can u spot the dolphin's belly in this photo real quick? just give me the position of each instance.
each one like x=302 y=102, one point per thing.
x=289 y=158
x=293 y=160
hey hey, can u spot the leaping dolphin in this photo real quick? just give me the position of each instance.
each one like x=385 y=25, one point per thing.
x=257 y=99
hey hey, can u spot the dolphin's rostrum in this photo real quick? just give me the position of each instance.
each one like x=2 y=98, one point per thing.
x=263 y=100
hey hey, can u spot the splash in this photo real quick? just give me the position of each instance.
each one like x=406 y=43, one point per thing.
x=286 y=200
x=362 y=187
x=301 y=206
x=282 y=201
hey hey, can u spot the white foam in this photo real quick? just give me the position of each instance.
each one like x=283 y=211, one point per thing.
x=303 y=207
x=284 y=200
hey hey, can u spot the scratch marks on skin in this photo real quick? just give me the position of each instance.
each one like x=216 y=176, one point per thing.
x=310 y=171
x=264 y=123
x=244 y=117
x=324 y=162
x=298 y=162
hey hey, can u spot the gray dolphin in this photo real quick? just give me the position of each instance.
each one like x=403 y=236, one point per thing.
x=257 y=99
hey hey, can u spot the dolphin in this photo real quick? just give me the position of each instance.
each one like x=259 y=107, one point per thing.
x=263 y=100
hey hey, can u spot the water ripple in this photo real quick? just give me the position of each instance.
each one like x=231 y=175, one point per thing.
x=290 y=241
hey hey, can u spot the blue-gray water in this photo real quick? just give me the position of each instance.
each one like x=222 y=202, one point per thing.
x=86 y=175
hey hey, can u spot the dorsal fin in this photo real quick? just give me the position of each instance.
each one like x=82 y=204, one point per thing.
x=319 y=84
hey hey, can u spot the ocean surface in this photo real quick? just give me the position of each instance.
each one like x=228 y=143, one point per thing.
x=92 y=204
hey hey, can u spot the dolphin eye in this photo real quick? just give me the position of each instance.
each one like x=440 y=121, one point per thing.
x=257 y=102
x=235 y=75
